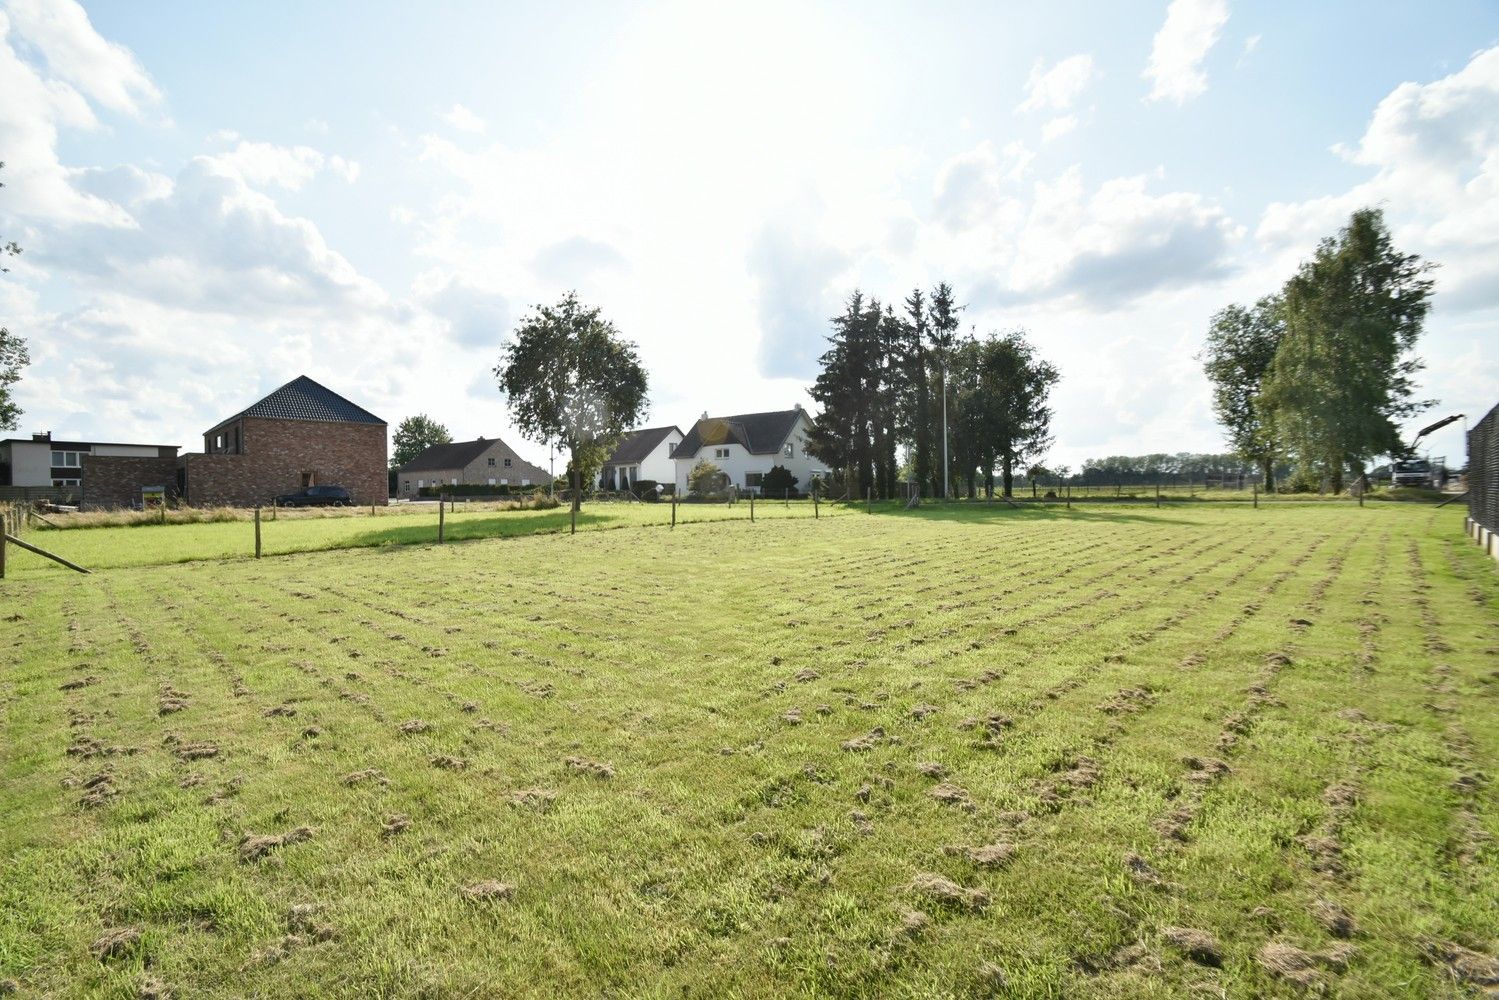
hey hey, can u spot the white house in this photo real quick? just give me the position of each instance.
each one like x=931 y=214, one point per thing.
x=747 y=445
x=644 y=454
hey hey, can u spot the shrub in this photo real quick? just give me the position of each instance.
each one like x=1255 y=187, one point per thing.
x=472 y=490
x=707 y=478
x=777 y=481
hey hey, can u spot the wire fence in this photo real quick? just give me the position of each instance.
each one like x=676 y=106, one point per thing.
x=1483 y=471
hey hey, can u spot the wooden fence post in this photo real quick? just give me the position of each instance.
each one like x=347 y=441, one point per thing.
x=1256 y=496
x=275 y=506
x=752 y=505
x=441 y=517
x=257 y=531
x=2 y=555
x=1158 y=492
x=815 y=512
x=869 y=500
x=788 y=498
x=1069 y=496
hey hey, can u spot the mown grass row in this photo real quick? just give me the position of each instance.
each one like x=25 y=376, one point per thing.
x=1065 y=686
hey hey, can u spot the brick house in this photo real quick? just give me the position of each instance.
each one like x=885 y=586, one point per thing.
x=482 y=462
x=303 y=434
x=95 y=474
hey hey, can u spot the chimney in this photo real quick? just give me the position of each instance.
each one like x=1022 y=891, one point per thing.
x=704 y=416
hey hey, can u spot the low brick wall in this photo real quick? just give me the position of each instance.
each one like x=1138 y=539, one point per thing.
x=112 y=481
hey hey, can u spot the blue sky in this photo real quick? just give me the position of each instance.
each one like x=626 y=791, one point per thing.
x=215 y=198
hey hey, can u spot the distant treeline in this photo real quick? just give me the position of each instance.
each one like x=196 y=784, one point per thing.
x=1186 y=465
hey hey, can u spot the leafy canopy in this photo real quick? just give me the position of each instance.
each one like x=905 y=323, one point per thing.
x=415 y=435
x=572 y=380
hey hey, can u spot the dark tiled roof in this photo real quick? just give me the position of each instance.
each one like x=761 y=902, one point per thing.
x=636 y=445
x=757 y=433
x=304 y=399
x=442 y=457
x=447 y=456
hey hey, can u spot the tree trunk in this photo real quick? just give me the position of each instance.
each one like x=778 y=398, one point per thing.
x=989 y=483
x=1007 y=470
x=1336 y=469
x=575 y=483
x=1268 y=464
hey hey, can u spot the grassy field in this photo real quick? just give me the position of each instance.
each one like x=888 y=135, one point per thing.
x=318 y=530
x=1204 y=751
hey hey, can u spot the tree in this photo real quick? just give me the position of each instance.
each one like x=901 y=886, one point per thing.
x=943 y=315
x=919 y=385
x=13 y=353
x=1240 y=349
x=415 y=435
x=1035 y=473
x=1344 y=372
x=572 y=379
x=1018 y=385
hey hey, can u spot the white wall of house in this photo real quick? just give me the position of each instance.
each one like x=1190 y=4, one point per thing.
x=738 y=463
x=31 y=463
x=656 y=467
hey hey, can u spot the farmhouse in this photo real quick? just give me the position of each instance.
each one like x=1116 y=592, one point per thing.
x=303 y=434
x=94 y=473
x=482 y=462
x=747 y=445
x=643 y=454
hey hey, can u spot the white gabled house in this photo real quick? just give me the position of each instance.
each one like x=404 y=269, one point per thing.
x=643 y=454
x=747 y=445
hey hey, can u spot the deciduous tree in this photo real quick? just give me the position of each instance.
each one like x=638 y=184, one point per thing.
x=1240 y=348
x=13 y=353
x=1344 y=371
x=571 y=379
x=415 y=435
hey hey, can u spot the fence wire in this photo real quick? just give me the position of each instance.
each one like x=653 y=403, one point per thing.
x=1483 y=471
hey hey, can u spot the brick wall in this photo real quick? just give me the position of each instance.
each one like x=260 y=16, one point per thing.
x=109 y=481
x=277 y=454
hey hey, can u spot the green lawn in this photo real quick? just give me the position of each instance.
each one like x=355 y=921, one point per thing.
x=154 y=545
x=1112 y=752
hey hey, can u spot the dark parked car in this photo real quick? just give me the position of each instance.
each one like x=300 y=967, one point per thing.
x=317 y=496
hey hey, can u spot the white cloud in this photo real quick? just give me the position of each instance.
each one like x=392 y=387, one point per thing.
x=1058 y=127
x=463 y=119
x=264 y=164
x=1057 y=88
x=1192 y=28
x=77 y=55
x=1434 y=150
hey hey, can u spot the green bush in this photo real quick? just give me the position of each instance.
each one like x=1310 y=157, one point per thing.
x=707 y=479
x=473 y=490
x=777 y=481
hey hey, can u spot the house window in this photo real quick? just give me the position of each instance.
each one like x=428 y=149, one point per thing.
x=504 y=482
x=64 y=482
x=491 y=478
x=405 y=486
x=720 y=453
x=525 y=482
x=507 y=463
x=752 y=479
x=420 y=483
x=788 y=451
x=67 y=459
x=491 y=463
x=454 y=481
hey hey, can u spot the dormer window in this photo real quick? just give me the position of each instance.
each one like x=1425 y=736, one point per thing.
x=789 y=450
